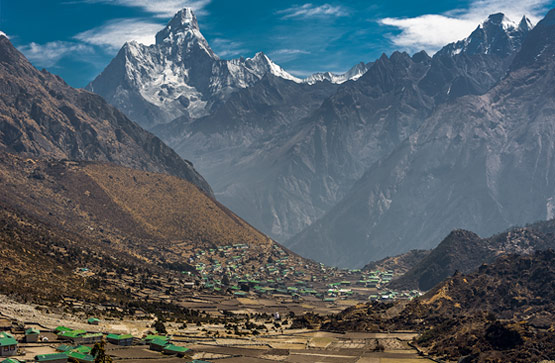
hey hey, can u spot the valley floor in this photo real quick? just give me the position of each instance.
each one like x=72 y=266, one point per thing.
x=275 y=345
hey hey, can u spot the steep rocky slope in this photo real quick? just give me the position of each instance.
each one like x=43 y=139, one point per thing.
x=40 y=115
x=126 y=208
x=464 y=251
x=399 y=264
x=481 y=163
x=502 y=312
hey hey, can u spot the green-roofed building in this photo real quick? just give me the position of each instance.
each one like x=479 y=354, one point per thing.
x=8 y=345
x=32 y=335
x=82 y=349
x=64 y=348
x=12 y=360
x=61 y=329
x=93 y=321
x=80 y=357
x=150 y=338
x=120 y=339
x=175 y=350
x=91 y=338
x=72 y=333
x=158 y=344
x=51 y=358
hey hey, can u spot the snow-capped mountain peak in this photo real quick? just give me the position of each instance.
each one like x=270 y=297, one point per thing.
x=497 y=34
x=352 y=74
x=261 y=64
x=183 y=33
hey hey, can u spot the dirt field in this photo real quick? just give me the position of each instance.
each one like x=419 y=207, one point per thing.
x=271 y=345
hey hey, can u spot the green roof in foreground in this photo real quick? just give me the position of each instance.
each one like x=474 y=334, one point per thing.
x=159 y=341
x=7 y=342
x=11 y=360
x=152 y=337
x=82 y=349
x=81 y=356
x=119 y=336
x=176 y=348
x=50 y=357
x=64 y=348
x=72 y=334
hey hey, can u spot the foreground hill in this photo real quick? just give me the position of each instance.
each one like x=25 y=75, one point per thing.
x=464 y=251
x=41 y=116
x=504 y=312
x=123 y=207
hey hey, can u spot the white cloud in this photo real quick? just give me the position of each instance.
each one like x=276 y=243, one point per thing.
x=286 y=55
x=310 y=11
x=432 y=31
x=116 y=32
x=226 y=48
x=160 y=8
x=48 y=54
x=289 y=52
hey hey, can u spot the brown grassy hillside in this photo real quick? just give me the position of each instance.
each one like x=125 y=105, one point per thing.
x=155 y=216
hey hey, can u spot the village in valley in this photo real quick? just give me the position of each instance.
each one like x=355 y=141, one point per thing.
x=233 y=278
x=228 y=307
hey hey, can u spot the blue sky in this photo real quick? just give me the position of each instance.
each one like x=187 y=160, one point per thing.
x=76 y=39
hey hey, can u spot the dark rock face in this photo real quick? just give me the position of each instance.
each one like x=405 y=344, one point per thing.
x=481 y=163
x=463 y=251
x=42 y=116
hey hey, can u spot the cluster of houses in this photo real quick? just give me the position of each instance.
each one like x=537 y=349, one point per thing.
x=76 y=345
x=283 y=275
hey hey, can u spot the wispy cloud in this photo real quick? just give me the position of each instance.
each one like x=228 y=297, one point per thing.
x=49 y=54
x=160 y=8
x=116 y=32
x=286 y=55
x=432 y=31
x=226 y=48
x=311 y=11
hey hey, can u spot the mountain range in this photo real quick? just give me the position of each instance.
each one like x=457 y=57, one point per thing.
x=481 y=162
x=349 y=168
